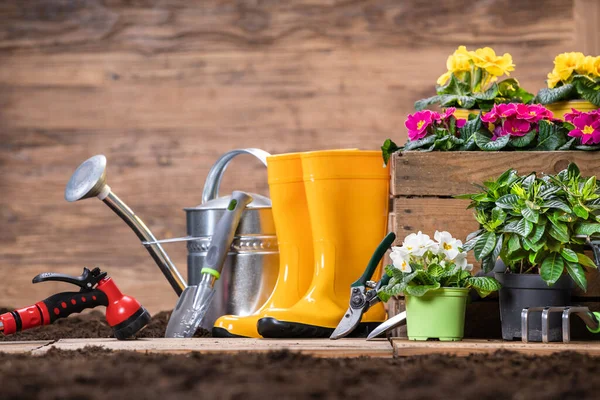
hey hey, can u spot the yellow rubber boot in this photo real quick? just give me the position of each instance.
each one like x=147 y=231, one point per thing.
x=296 y=264
x=347 y=196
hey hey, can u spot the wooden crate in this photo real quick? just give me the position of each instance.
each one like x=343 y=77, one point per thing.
x=423 y=185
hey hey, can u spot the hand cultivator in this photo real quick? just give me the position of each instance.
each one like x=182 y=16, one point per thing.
x=591 y=319
x=123 y=313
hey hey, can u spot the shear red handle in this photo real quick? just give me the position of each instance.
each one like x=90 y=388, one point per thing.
x=45 y=312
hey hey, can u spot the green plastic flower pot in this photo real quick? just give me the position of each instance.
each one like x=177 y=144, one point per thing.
x=438 y=314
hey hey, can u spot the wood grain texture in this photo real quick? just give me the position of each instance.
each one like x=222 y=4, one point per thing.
x=406 y=348
x=314 y=347
x=586 y=14
x=163 y=87
x=453 y=173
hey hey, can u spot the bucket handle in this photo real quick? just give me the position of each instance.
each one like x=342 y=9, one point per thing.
x=213 y=180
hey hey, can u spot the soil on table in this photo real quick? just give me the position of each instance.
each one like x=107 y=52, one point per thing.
x=90 y=325
x=94 y=373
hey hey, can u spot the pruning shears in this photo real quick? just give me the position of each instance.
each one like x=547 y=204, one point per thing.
x=363 y=292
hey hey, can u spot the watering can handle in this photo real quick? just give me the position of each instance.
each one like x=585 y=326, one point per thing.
x=213 y=180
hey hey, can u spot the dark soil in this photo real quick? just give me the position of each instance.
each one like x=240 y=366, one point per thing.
x=90 y=325
x=94 y=373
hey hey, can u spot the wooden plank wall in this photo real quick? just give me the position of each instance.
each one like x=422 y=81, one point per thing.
x=162 y=87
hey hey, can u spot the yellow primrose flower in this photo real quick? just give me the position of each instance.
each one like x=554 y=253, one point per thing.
x=459 y=60
x=566 y=63
x=495 y=65
x=586 y=66
x=595 y=70
x=444 y=78
x=553 y=78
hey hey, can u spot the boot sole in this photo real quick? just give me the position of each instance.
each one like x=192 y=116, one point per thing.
x=273 y=328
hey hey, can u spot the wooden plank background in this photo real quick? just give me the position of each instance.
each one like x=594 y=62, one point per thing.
x=163 y=87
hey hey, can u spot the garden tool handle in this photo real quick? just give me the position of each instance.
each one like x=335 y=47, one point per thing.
x=385 y=279
x=375 y=258
x=213 y=179
x=224 y=233
x=45 y=312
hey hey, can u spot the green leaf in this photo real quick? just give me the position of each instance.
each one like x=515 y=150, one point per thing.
x=558 y=204
x=589 y=89
x=523 y=141
x=484 y=245
x=437 y=271
x=465 y=101
x=586 y=261
x=568 y=145
x=423 y=103
x=511 y=90
x=550 y=136
x=420 y=290
x=498 y=215
x=489 y=94
x=577 y=274
x=421 y=277
x=552 y=268
x=489 y=262
x=514 y=243
x=587 y=229
x=538 y=232
x=533 y=245
x=455 y=87
x=589 y=187
x=530 y=215
x=573 y=170
x=483 y=285
x=388 y=148
x=415 y=144
x=486 y=143
x=547 y=96
x=521 y=227
x=569 y=255
x=581 y=211
x=559 y=232
x=508 y=202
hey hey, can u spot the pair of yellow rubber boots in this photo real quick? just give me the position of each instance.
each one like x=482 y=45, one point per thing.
x=330 y=211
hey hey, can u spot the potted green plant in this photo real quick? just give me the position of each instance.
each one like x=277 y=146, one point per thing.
x=471 y=82
x=574 y=83
x=536 y=228
x=506 y=127
x=435 y=278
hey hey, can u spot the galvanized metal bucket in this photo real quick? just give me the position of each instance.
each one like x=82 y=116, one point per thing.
x=252 y=264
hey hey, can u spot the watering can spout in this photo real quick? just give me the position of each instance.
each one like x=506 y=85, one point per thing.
x=89 y=180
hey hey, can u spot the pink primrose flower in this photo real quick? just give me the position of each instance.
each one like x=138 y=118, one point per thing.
x=418 y=123
x=532 y=113
x=569 y=117
x=516 y=127
x=506 y=110
x=460 y=123
x=587 y=128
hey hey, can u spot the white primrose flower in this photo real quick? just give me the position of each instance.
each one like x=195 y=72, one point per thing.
x=417 y=244
x=447 y=244
x=400 y=259
x=461 y=261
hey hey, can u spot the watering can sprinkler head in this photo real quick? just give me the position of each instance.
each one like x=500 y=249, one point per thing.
x=88 y=180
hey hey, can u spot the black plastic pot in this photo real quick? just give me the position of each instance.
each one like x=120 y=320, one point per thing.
x=528 y=290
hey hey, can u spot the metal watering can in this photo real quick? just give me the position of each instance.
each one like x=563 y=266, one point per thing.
x=252 y=262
